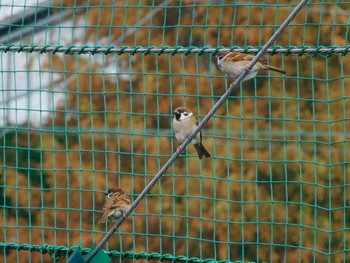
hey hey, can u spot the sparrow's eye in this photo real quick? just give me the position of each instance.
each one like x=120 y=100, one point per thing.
x=185 y=113
x=220 y=57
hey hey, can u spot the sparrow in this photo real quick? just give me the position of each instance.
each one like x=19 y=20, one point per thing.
x=116 y=205
x=234 y=63
x=184 y=123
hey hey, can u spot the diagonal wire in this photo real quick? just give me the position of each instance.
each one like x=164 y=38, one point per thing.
x=200 y=126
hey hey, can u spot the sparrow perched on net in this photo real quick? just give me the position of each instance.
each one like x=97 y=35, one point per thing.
x=234 y=63
x=116 y=205
x=184 y=123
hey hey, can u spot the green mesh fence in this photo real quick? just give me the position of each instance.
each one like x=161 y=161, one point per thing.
x=87 y=95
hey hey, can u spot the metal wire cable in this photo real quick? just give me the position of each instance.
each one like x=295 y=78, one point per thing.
x=200 y=126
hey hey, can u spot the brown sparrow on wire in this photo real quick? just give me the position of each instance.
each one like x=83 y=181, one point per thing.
x=234 y=63
x=184 y=123
x=116 y=205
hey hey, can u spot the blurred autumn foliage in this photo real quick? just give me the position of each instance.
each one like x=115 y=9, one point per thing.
x=277 y=186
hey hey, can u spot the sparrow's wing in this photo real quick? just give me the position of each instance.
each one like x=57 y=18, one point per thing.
x=110 y=200
x=236 y=56
x=115 y=201
x=107 y=210
x=250 y=57
x=120 y=201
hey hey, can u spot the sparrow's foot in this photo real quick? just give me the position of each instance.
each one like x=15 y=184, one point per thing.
x=178 y=150
x=123 y=214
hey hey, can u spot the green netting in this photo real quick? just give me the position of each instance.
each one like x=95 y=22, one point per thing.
x=87 y=95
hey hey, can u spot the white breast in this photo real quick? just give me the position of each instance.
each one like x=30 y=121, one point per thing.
x=115 y=216
x=183 y=131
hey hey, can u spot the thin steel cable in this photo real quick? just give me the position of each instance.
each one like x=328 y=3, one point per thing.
x=200 y=126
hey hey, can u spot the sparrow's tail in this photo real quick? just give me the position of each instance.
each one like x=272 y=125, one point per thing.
x=268 y=67
x=201 y=151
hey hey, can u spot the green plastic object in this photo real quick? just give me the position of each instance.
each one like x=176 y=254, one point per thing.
x=76 y=257
x=100 y=257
